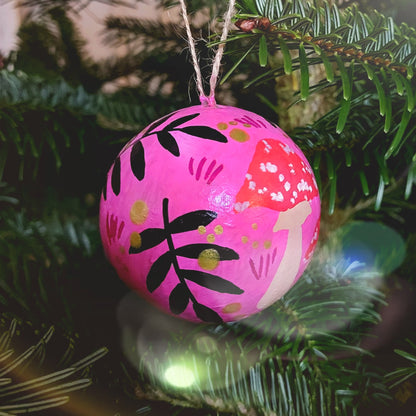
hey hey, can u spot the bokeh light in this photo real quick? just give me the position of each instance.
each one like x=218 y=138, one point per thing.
x=375 y=245
x=179 y=376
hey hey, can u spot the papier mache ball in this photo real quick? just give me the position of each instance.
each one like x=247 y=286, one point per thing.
x=211 y=213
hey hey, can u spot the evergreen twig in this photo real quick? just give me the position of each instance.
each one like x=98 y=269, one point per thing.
x=42 y=392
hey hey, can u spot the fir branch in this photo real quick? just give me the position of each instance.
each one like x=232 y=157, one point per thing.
x=402 y=374
x=351 y=34
x=41 y=392
x=358 y=152
x=356 y=44
x=35 y=260
x=122 y=30
x=38 y=116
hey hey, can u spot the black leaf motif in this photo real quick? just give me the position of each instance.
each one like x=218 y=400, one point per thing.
x=115 y=176
x=137 y=161
x=180 y=121
x=157 y=123
x=105 y=191
x=149 y=238
x=192 y=251
x=168 y=142
x=205 y=132
x=179 y=299
x=191 y=221
x=213 y=282
x=206 y=314
x=158 y=272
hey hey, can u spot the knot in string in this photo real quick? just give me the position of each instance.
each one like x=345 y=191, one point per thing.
x=210 y=99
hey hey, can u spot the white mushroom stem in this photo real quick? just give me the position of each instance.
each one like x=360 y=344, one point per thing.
x=291 y=220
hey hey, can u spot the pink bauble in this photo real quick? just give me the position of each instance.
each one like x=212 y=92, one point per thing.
x=211 y=213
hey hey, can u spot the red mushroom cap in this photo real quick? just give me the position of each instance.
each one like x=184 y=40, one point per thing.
x=277 y=178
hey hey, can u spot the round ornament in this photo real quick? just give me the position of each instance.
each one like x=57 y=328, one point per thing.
x=211 y=213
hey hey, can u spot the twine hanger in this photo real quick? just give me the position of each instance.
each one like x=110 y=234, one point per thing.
x=210 y=99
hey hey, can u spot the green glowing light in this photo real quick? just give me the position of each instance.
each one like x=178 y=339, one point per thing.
x=179 y=376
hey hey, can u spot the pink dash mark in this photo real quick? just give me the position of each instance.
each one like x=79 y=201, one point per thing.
x=210 y=173
x=200 y=166
x=253 y=269
x=111 y=227
x=215 y=174
x=261 y=265
x=191 y=166
x=252 y=122
x=264 y=265
x=209 y=170
x=267 y=264
x=120 y=230
x=274 y=254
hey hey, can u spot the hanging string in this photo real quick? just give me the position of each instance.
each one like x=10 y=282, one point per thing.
x=193 y=51
x=210 y=100
x=218 y=56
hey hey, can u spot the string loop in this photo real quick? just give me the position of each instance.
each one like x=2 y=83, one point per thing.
x=210 y=99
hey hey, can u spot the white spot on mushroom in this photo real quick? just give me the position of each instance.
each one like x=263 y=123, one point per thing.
x=277 y=197
x=287 y=186
x=292 y=200
x=268 y=167
x=271 y=168
x=304 y=186
x=252 y=185
x=286 y=148
x=281 y=177
x=267 y=146
x=295 y=194
x=248 y=176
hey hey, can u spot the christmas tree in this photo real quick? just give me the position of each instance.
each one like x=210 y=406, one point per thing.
x=338 y=77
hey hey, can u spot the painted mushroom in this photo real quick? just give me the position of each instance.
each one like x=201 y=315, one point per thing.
x=279 y=179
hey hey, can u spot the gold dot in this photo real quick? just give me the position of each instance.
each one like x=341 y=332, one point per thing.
x=267 y=244
x=244 y=239
x=222 y=126
x=247 y=125
x=233 y=123
x=254 y=226
x=255 y=244
x=218 y=229
x=239 y=135
x=202 y=229
x=210 y=238
x=231 y=308
x=135 y=239
x=208 y=259
x=139 y=212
